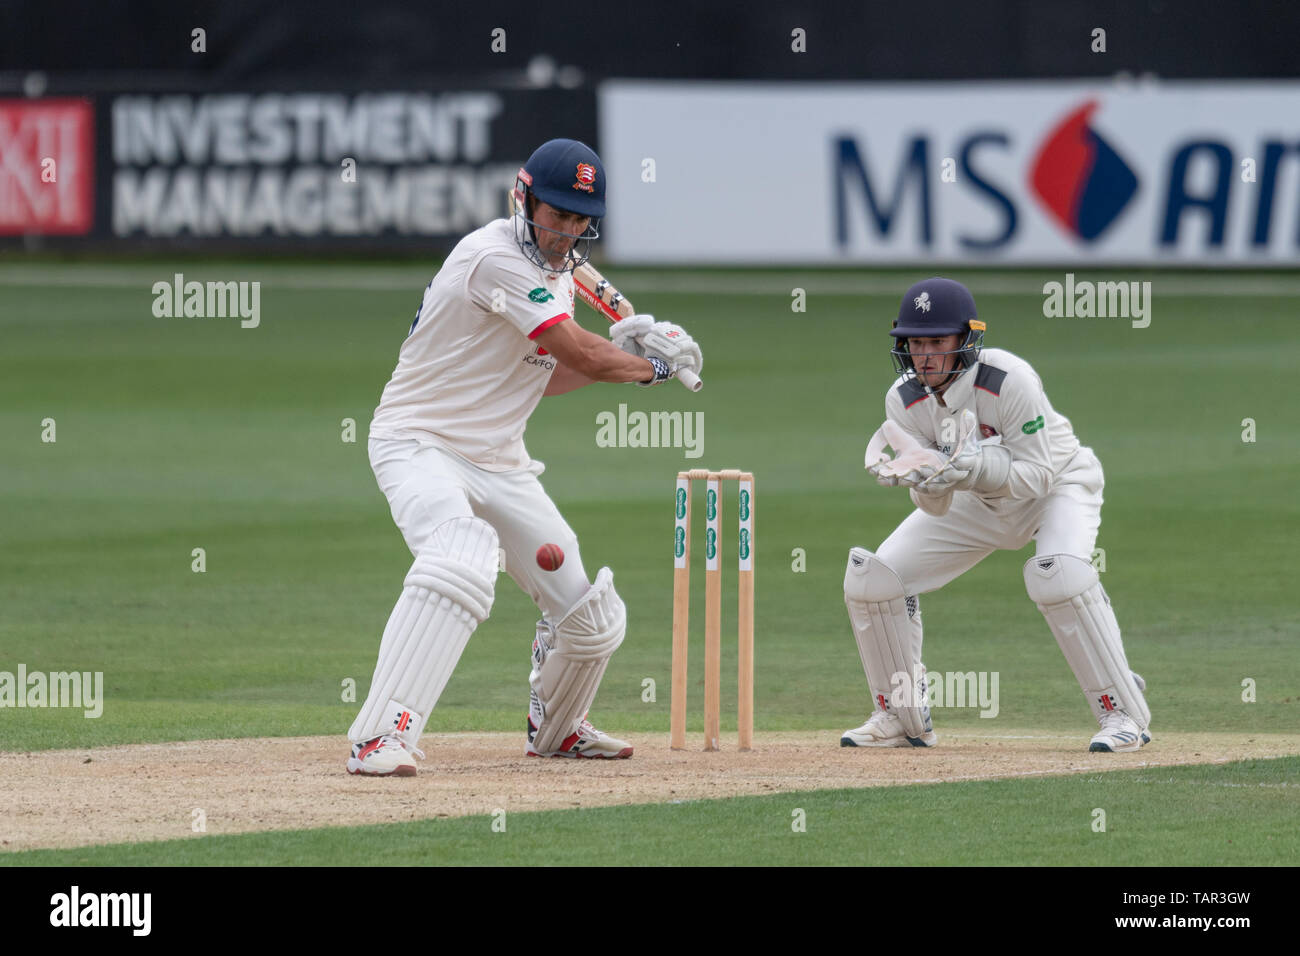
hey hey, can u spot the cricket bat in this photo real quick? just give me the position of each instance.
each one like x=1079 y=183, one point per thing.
x=595 y=290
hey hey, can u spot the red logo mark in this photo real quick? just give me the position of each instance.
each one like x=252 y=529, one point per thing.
x=47 y=162
x=988 y=431
x=586 y=176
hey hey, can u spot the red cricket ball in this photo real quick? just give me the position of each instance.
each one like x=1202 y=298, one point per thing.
x=550 y=557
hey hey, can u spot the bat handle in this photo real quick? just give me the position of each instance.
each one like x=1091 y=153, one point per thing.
x=689 y=379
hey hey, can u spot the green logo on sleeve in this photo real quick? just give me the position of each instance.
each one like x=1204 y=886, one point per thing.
x=540 y=295
x=1030 y=427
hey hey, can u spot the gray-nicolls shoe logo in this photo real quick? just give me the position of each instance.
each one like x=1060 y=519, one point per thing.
x=923 y=301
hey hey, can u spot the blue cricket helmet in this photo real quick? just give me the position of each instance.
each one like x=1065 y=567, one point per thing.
x=569 y=176
x=933 y=308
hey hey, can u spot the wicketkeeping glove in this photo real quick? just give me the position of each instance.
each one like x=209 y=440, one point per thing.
x=974 y=466
x=907 y=468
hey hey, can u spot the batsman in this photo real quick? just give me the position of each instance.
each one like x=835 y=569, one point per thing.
x=495 y=334
x=989 y=464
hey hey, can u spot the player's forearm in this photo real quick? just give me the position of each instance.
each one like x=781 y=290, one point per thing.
x=623 y=367
x=565 y=379
x=602 y=361
x=593 y=356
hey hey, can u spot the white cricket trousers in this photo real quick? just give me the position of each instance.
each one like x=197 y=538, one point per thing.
x=426 y=486
x=928 y=551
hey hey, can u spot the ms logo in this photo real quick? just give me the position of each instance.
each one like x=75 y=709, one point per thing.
x=1080 y=179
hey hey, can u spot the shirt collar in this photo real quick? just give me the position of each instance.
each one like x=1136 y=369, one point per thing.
x=958 y=394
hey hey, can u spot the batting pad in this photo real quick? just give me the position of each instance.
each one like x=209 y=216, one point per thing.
x=448 y=592
x=887 y=643
x=568 y=666
x=1067 y=590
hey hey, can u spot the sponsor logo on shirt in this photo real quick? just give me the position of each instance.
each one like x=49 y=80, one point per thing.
x=988 y=431
x=1030 y=427
x=534 y=358
x=540 y=295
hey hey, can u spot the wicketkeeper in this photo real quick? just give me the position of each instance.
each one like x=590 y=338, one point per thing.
x=494 y=334
x=989 y=465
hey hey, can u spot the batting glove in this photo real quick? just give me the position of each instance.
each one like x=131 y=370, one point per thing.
x=627 y=333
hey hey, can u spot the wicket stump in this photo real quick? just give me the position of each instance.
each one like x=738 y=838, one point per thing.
x=713 y=606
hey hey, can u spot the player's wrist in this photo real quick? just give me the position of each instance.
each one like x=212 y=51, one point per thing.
x=661 y=371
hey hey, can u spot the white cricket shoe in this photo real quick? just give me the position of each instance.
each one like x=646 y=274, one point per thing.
x=386 y=756
x=1119 y=734
x=586 y=741
x=884 y=729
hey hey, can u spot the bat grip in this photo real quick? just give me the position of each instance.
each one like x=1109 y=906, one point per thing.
x=689 y=379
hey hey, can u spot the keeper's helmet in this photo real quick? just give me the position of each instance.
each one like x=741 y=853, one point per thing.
x=933 y=308
x=568 y=175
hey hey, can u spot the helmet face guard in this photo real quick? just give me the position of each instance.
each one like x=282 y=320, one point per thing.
x=526 y=232
x=968 y=353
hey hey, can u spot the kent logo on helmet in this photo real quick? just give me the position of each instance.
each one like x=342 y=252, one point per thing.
x=559 y=202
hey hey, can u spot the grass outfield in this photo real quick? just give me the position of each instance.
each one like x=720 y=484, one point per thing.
x=175 y=434
x=1236 y=814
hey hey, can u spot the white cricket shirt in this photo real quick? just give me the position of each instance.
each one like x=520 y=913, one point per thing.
x=1008 y=400
x=469 y=375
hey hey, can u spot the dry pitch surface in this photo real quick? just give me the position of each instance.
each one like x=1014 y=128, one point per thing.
x=140 y=792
